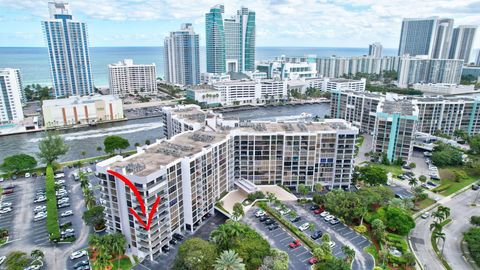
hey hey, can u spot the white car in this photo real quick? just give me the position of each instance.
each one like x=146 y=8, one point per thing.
x=2 y=259
x=67 y=213
x=329 y=217
x=27 y=175
x=285 y=211
x=59 y=175
x=304 y=226
x=89 y=170
x=58 y=193
x=5 y=204
x=1 y=179
x=40 y=214
x=324 y=214
x=39 y=208
x=425 y=215
x=33 y=267
x=259 y=213
x=68 y=231
x=63 y=200
x=332 y=244
x=59 y=182
x=78 y=254
x=5 y=210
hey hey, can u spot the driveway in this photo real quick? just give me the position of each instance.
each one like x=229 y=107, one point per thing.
x=340 y=234
x=280 y=238
x=460 y=213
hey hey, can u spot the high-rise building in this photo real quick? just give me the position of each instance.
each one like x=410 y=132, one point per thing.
x=230 y=41
x=443 y=39
x=426 y=36
x=11 y=95
x=215 y=40
x=125 y=78
x=182 y=56
x=425 y=70
x=462 y=42
x=67 y=42
x=336 y=67
x=375 y=50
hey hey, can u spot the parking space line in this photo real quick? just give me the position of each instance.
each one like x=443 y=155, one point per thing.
x=300 y=254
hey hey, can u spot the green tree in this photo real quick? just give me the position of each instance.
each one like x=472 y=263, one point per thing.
x=118 y=246
x=333 y=264
x=277 y=260
x=114 y=143
x=17 y=260
x=229 y=260
x=252 y=247
x=349 y=253
x=318 y=187
x=237 y=211
x=413 y=181
x=409 y=258
x=37 y=254
x=95 y=217
x=422 y=178
x=398 y=220
x=474 y=143
x=446 y=155
x=412 y=165
x=51 y=147
x=378 y=229
x=373 y=175
x=475 y=220
x=16 y=163
x=302 y=189
x=195 y=254
x=147 y=142
x=418 y=193
x=460 y=134
x=472 y=237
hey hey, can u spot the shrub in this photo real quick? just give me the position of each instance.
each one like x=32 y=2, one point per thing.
x=472 y=237
x=255 y=196
x=360 y=228
x=441 y=188
x=475 y=220
x=52 y=212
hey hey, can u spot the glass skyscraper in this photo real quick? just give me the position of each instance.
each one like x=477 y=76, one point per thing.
x=67 y=42
x=230 y=41
x=462 y=42
x=182 y=57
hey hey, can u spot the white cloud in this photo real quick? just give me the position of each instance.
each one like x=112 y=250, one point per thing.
x=353 y=23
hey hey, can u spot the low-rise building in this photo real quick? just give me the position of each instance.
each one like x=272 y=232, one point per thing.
x=289 y=68
x=204 y=95
x=444 y=88
x=86 y=110
x=211 y=78
x=207 y=157
x=126 y=78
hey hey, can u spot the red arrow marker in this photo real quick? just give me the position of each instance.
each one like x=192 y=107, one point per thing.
x=140 y=201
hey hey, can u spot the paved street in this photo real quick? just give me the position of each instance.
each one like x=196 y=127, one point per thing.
x=460 y=213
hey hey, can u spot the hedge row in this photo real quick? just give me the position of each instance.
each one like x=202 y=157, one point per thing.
x=441 y=188
x=52 y=211
x=303 y=237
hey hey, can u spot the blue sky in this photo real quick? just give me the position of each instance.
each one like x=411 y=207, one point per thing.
x=316 y=23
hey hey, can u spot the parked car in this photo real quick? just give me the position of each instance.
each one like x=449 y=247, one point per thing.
x=314 y=207
x=263 y=218
x=332 y=244
x=329 y=217
x=334 y=221
x=86 y=267
x=39 y=208
x=304 y=226
x=425 y=215
x=318 y=211
x=66 y=224
x=324 y=214
x=7 y=191
x=28 y=175
x=165 y=249
x=80 y=264
x=2 y=259
x=272 y=227
x=269 y=222
x=316 y=235
x=172 y=242
x=406 y=167
x=295 y=219
x=475 y=187
x=312 y=260
x=78 y=254
x=5 y=204
x=285 y=211
x=40 y=199
x=296 y=243
x=178 y=236
x=67 y=213
x=68 y=231
x=2 y=179
x=63 y=200
x=259 y=213
x=63 y=205
x=33 y=267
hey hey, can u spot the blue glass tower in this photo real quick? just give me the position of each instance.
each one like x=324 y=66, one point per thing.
x=215 y=40
x=67 y=42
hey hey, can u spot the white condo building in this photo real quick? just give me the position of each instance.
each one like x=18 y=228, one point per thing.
x=426 y=70
x=86 y=110
x=336 y=67
x=375 y=50
x=68 y=52
x=289 y=68
x=11 y=96
x=125 y=78
x=190 y=171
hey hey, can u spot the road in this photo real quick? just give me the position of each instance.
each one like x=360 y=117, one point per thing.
x=460 y=213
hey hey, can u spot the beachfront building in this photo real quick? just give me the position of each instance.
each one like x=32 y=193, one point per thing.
x=182 y=56
x=426 y=70
x=191 y=170
x=395 y=128
x=336 y=67
x=340 y=84
x=289 y=68
x=86 y=110
x=68 y=52
x=443 y=88
x=250 y=91
x=375 y=50
x=462 y=42
x=127 y=78
x=230 y=42
x=11 y=96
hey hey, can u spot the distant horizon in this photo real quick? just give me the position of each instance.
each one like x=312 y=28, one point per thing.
x=150 y=46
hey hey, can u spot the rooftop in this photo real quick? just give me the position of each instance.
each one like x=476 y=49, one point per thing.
x=78 y=100
x=293 y=126
x=403 y=107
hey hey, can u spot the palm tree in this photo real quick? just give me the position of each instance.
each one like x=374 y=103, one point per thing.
x=271 y=197
x=438 y=215
x=89 y=198
x=435 y=226
x=37 y=254
x=439 y=234
x=349 y=252
x=102 y=261
x=234 y=229
x=221 y=237
x=413 y=181
x=118 y=246
x=445 y=211
x=229 y=260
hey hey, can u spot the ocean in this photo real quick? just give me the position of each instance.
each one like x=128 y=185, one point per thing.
x=34 y=66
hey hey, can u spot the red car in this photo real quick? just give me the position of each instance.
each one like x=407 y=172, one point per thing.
x=7 y=191
x=296 y=243
x=318 y=211
x=313 y=260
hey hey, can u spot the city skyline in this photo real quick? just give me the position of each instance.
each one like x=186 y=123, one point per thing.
x=119 y=23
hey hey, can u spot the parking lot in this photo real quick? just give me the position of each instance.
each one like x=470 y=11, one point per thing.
x=339 y=233
x=26 y=234
x=280 y=238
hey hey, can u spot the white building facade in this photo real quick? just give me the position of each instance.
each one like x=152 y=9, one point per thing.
x=126 y=78
x=11 y=96
x=86 y=110
x=426 y=70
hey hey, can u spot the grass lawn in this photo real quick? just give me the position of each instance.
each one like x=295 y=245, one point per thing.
x=125 y=264
x=446 y=176
x=395 y=170
x=425 y=203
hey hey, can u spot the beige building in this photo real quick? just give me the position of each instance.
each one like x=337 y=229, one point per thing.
x=86 y=110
